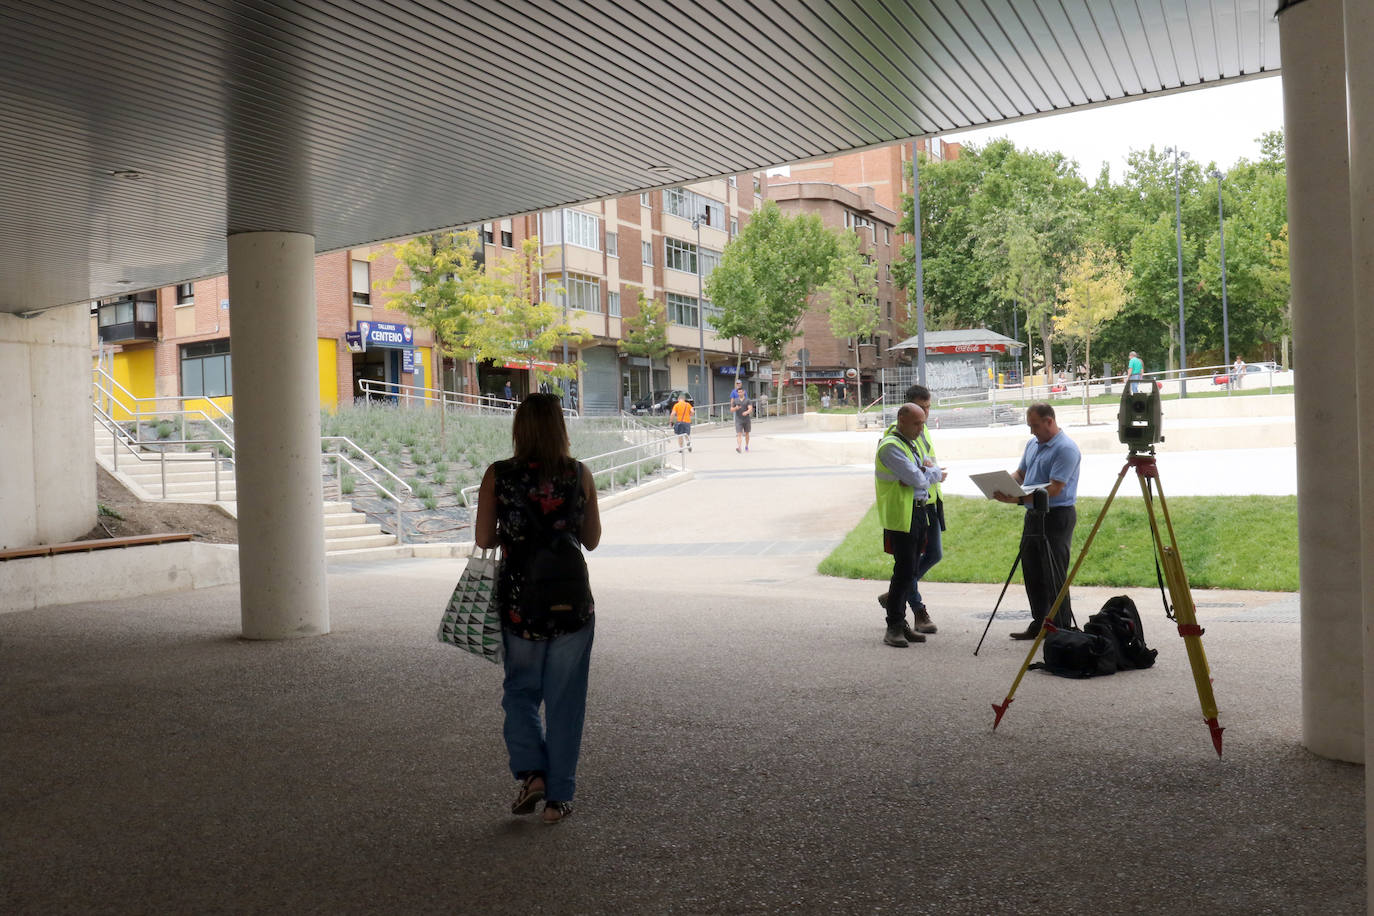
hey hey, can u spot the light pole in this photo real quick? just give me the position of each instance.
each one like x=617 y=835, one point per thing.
x=702 y=389
x=1178 y=231
x=1225 y=320
x=919 y=279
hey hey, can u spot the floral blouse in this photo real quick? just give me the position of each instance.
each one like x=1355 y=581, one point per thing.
x=560 y=502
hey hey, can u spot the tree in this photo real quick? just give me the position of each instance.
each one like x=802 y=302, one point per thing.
x=852 y=291
x=766 y=276
x=440 y=286
x=1091 y=294
x=520 y=323
x=646 y=331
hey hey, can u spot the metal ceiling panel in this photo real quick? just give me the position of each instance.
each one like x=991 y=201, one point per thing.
x=137 y=134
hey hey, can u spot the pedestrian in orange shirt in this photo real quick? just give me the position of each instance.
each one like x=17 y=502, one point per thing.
x=682 y=421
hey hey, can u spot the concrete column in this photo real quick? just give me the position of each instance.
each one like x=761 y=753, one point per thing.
x=277 y=435
x=1359 y=38
x=1313 y=59
x=47 y=448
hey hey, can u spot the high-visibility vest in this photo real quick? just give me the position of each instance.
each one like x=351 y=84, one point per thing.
x=924 y=450
x=895 y=500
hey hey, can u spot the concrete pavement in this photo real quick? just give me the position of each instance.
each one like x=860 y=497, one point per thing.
x=751 y=747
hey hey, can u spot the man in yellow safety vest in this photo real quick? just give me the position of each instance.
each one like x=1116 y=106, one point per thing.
x=902 y=485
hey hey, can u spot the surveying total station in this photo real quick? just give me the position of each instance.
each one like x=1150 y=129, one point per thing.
x=1139 y=427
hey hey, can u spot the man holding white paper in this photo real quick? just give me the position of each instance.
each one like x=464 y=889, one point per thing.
x=1051 y=459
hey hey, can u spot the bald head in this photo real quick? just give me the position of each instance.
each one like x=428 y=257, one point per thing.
x=911 y=420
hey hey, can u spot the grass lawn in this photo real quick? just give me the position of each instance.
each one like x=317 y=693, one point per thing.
x=1243 y=542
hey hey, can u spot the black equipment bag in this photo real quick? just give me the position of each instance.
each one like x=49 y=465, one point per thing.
x=1119 y=621
x=1112 y=640
x=1075 y=653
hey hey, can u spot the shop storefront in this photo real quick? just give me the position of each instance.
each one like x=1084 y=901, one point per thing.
x=385 y=356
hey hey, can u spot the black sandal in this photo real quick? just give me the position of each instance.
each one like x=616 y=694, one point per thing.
x=556 y=811
x=529 y=796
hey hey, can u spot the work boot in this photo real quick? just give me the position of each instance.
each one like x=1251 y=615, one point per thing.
x=882 y=599
x=1030 y=632
x=923 y=622
x=910 y=634
x=894 y=637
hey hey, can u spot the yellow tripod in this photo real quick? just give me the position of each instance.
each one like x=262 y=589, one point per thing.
x=1185 y=614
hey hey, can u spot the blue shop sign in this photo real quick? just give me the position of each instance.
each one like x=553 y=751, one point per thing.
x=384 y=334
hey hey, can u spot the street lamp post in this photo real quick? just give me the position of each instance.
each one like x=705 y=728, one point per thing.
x=919 y=279
x=1178 y=231
x=1225 y=320
x=702 y=389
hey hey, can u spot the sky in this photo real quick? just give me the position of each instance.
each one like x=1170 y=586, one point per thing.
x=1219 y=124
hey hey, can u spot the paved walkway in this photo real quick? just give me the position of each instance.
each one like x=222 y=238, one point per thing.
x=751 y=747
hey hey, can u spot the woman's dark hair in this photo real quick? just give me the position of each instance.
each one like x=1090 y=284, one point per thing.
x=538 y=434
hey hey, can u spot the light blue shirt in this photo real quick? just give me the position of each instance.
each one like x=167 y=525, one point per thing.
x=1057 y=459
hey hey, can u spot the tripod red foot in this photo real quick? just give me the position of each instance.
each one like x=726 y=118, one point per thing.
x=1001 y=711
x=1216 y=733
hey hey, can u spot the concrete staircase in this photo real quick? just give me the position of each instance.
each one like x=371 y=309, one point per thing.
x=190 y=478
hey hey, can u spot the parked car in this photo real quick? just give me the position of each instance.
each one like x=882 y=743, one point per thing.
x=658 y=402
x=1250 y=369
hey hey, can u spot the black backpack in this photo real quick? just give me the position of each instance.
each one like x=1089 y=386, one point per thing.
x=1112 y=640
x=1077 y=653
x=1119 y=622
x=556 y=578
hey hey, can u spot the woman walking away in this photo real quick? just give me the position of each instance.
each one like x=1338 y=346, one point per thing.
x=539 y=505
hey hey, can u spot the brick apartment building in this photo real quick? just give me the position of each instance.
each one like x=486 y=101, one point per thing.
x=175 y=341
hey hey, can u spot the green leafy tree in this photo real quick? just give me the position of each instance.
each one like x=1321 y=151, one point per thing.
x=766 y=277
x=1091 y=293
x=439 y=284
x=646 y=330
x=851 y=299
x=520 y=323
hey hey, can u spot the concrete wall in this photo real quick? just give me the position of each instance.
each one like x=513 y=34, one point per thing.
x=47 y=447
x=110 y=575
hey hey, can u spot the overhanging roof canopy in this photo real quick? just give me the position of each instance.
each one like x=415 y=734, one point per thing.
x=971 y=341
x=137 y=134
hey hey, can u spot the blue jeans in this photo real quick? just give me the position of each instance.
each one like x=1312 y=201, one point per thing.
x=552 y=672
x=929 y=558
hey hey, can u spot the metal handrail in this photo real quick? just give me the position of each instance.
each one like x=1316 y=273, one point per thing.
x=444 y=397
x=162 y=457
x=137 y=409
x=363 y=452
x=657 y=449
x=341 y=457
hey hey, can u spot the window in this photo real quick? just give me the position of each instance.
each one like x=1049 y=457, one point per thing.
x=612 y=244
x=732 y=182
x=613 y=304
x=887 y=235
x=758 y=187
x=362 y=283
x=580 y=229
x=691 y=205
x=186 y=294
x=206 y=370
x=734 y=227
x=889 y=310
x=584 y=293
x=128 y=318
x=488 y=237
x=683 y=310
x=679 y=255
x=507 y=235
x=647 y=253
x=644 y=199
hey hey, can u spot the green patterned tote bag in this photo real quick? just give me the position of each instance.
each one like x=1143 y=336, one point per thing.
x=471 y=620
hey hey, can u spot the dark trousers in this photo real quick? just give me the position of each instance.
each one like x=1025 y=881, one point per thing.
x=1045 y=541
x=906 y=548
